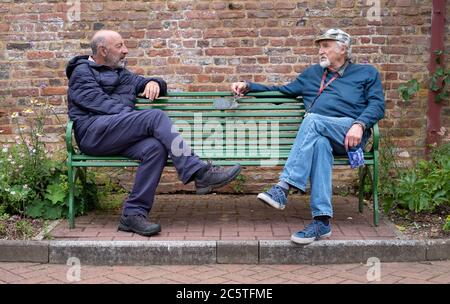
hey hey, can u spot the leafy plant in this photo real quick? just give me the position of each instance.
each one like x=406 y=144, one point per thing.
x=407 y=90
x=33 y=181
x=425 y=186
x=446 y=226
x=439 y=81
x=24 y=229
x=238 y=185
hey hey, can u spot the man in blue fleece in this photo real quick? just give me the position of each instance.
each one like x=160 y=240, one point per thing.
x=343 y=101
x=101 y=103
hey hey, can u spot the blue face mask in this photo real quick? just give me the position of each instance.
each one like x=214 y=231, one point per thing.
x=356 y=158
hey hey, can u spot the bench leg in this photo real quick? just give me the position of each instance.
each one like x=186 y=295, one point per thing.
x=71 y=181
x=362 y=177
x=375 y=190
x=83 y=177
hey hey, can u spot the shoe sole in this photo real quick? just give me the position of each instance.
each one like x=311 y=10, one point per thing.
x=298 y=240
x=206 y=190
x=269 y=201
x=125 y=228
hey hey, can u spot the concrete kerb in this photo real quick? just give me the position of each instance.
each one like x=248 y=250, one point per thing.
x=224 y=252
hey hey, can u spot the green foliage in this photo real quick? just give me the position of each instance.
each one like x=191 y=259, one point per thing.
x=440 y=79
x=446 y=226
x=32 y=182
x=438 y=82
x=407 y=90
x=239 y=183
x=24 y=229
x=423 y=187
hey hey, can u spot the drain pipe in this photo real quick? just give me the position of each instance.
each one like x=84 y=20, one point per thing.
x=437 y=43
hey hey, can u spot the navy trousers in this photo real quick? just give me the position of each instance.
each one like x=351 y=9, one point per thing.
x=147 y=136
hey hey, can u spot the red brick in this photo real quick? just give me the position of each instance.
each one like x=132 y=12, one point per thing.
x=283 y=69
x=216 y=34
x=188 y=70
x=25 y=92
x=219 y=52
x=201 y=15
x=47 y=91
x=249 y=51
x=274 y=32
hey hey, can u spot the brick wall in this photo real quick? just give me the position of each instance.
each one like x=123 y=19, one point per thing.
x=206 y=45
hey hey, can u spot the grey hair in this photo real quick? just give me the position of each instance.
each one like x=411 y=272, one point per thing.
x=348 y=48
x=96 y=42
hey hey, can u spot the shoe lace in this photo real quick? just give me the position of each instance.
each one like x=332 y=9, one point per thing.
x=277 y=192
x=313 y=228
x=213 y=168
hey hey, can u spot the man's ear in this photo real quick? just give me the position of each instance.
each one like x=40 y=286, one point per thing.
x=102 y=51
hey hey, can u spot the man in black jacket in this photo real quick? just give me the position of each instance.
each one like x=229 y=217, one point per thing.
x=101 y=103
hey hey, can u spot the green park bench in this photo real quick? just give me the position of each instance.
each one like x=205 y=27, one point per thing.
x=259 y=132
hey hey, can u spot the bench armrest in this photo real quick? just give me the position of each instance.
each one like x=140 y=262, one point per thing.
x=376 y=136
x=69 y=145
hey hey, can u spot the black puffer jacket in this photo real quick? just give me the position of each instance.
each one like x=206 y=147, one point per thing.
x=99 y=90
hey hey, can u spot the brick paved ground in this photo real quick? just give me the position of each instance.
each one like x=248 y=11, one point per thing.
x=229 y=217
x=417 y=272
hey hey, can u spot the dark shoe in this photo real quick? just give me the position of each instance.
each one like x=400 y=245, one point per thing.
x=215 y=177
x=138 y=224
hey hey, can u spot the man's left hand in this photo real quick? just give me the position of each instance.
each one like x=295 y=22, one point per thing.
x=151 y=90
x=353 y=137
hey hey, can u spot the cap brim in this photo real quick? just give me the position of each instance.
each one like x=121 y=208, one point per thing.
x=325 y=38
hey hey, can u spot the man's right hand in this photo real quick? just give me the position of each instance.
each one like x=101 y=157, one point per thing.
x=239 y=88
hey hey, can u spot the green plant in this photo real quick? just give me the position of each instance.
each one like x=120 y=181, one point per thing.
x=407 y=90
x=439 y=81
x=46 y=232
x=446 y=226
x=24 y=228
x=33 y=181
x=425 y=186
x=239 y=182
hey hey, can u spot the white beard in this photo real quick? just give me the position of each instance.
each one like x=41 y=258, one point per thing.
x=325 y=63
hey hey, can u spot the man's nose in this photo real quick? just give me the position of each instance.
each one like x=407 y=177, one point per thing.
x=125 y=50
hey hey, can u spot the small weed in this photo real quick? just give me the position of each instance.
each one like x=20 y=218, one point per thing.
x=239 y=183
x=24 y=229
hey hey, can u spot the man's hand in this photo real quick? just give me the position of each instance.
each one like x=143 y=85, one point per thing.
x=353 y=137
x=151 y=90
x=239 y=88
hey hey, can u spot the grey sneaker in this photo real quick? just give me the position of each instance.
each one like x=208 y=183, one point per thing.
x=138 y=224
x=215 y=177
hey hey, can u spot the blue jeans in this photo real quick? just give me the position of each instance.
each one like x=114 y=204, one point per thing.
x=311 y=157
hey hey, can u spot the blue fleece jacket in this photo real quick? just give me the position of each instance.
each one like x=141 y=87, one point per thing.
x=100 y=90
x=358 y=94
